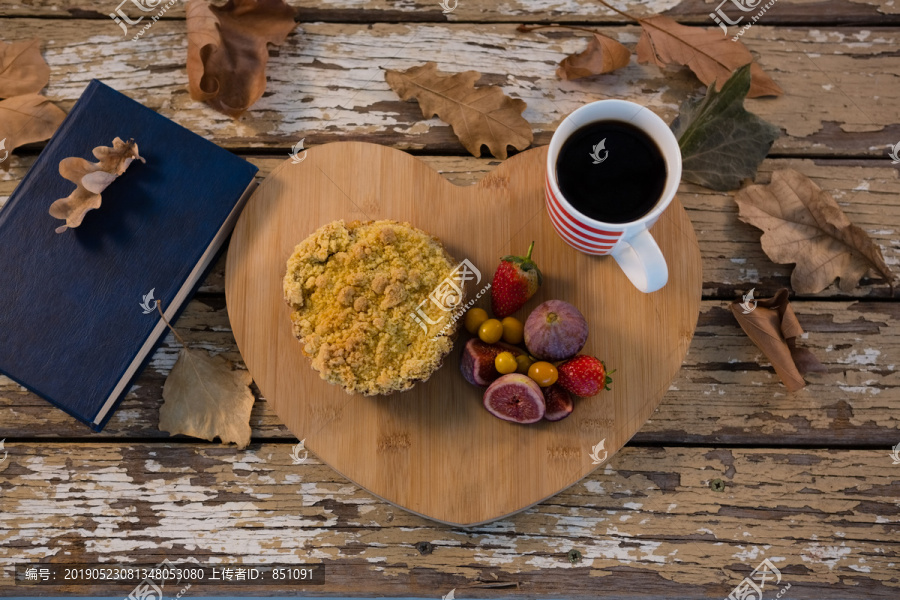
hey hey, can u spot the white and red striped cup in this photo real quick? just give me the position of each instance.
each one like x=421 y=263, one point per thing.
x=630 y=243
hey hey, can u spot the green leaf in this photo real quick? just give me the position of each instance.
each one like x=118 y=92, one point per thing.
x=722 y=143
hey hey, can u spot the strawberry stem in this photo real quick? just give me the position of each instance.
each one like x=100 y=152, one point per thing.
x=607 y=380
x=530 y=248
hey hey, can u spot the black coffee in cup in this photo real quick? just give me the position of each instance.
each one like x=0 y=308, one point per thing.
x=611 y=171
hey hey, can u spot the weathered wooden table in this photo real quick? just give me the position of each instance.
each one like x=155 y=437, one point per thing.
x=731 y=469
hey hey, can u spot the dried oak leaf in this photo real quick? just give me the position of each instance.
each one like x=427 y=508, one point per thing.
x=710 y=56
x=228 y=52
x=478 y=115
x=802 y=224
x=602 y=55
x=26 y=119
x=772 y=325
x=91 y=179
x=721 y=143
x=205 y=398
x=22 y=68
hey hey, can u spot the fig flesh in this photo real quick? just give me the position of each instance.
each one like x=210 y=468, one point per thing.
x=559 y=403
x=515 y=397
x=477 y=361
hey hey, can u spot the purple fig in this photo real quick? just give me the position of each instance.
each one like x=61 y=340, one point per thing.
x=477 y=361
x=515 y=397
x=559 y=403
x=555 y=330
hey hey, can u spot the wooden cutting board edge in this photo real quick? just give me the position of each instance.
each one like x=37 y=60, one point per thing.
x=488 y=181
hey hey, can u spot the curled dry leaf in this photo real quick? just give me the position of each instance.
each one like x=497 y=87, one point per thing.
x=774 y=328
x=721 y=143
x=228 y=52
x=27 y=119
x=710 y=56
x=479 y=115
x=205 y=398
x=602 y=55
x=25 y=115
x=91 y=179
x=802 y=224
x=22 y=68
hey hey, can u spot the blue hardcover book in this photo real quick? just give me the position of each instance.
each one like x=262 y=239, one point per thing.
x=78 y=317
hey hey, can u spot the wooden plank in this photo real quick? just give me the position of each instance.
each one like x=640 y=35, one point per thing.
x=725 y=392
x=648 y=523
x=733 y=260
x=875 y=12
x=327 y=82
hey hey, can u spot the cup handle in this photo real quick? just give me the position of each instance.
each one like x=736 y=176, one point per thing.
x=642 y=261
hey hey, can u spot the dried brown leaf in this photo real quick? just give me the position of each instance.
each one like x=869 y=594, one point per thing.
x=24 y=120
x=602 y=55
x=478 y=115
x=205 y=398
x=710 y=56
x=22 y=68
x=772 y=325
x=91 y=179
x=228 y=50
x=802 y=224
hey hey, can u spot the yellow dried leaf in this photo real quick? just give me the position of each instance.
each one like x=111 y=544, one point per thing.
x=478 y=115
x=205 y=398
x=804 y=225
x=91 y=179
x=24 y=120
x=711 y=57
x=228 y=50
x=22 y=68
x=772 y=325
x=602 y=55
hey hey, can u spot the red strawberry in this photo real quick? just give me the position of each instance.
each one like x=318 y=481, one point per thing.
x=517 y=279
x=584 y=376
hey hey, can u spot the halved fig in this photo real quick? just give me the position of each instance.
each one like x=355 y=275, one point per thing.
x=515 y=397
x=477 y=361
x=559 y=403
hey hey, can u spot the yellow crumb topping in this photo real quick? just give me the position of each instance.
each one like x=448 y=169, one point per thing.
x=360 y=305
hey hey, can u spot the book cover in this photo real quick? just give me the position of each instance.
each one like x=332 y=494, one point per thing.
x=78 y=319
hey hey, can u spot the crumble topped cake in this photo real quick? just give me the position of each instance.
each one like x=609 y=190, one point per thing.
x=356 y=294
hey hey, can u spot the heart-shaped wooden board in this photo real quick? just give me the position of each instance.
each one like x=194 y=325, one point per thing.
x=434 y=450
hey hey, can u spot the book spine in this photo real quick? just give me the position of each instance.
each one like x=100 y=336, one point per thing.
x=31 y=177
